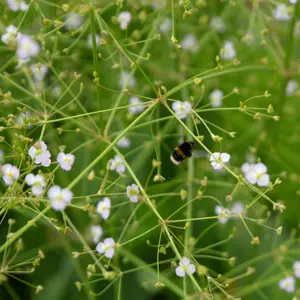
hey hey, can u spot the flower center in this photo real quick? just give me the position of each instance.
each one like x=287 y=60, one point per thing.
x=9 y=174
x=67 y=159
x=59 y=197
x=259 y=175
x=133 y=192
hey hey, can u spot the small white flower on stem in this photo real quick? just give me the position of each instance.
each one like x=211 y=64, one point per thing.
x=132 y=192
x=103 y=208
x=217 y=160
x=124 y=19
x=124 y=142
x=27 y=47
x=10 y=174
x=228 y=52
x=215 y=98
x=281 y=13
x=185 y=268
x=287 y=284
x=237 y=208
x=182 y=109
x=217 y=24
x=37 y=183
x=291 y=87
x=124 y=78
x=65 y=161
x=223 y=213
x=39 y=154
x=56 y=91
x=73 y=21
x=59 y=197
x=296 y=268
x=96 y=233
x=258 y=175
x=116 y=164
x=166 y=25
x=16 y=5
x=190 y=43
x=90 y=40
x=107 y=247
x=23 y=118
x=10 y=37
x=39 y=71
x=137 y=107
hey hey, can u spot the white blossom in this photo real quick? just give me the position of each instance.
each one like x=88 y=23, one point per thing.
x=287 y=284
x=39 y=71
x=11 y=35
x=16 y=5
x=296 y=268
x=125 y=79
x=217 y=24
x=223 y=213
x=124 y=19
x=39 y=154
x=215 y=98
x=281 y=13
x=107 y=247
x=166 y=25
x=96 y=233
x=291 y=87
x=217 y=159
x=65 y=161
x=90 y=40
x=23 y=118
x=59 y=197
x=116 y=164
x=56 y=91
x=190 y=43
x=124 y=142
x=27 y=47
x=228 y=52
x=103 y=208
x=73 y=21
x=293 y=1
x=237 y=208
x=37 y=182
x=258 y=175
x=185 y=268
x=132 y=192
x=10 y=174
x=182 y=109
x=137 y=107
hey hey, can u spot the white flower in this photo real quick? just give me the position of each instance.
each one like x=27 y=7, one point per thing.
x=215 y=98
x=96 y=233
x=124 y=142
x=185 y=267
x=223 y=213
x=56 y=91
x=281 y=13
x=103 y=208
x=37 y=182
x=23 y=118
x=137 y=107
x=27 y=47
x=39 y=153
x=293 y=1
x=287 y=284
x=296 y=268
x=10 y=37
x=132 y=192
x=228 y=52
x=166 y=25
x=107 y=247
x=258 y=175
x=90 y=40
x=291 y=87
x=73 y=21
x=39 y=71
x=217 y=24
x=65 y=161
x=22 y=62
x=190 y=43
x=246 y=167
x=124 y=19
x=217 y=158
x=16 y=5
x=59 y=197
x=237 y=208
x=125 y=79
x=10 y=174
x=182 y=109
x=116 y=164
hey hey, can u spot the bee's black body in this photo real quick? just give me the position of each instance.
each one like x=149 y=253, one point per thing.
x=181 y=152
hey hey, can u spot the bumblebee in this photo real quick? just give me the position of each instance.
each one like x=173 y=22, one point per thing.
x=181 y=152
